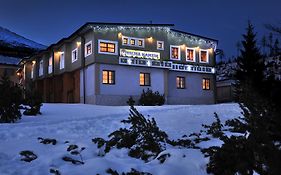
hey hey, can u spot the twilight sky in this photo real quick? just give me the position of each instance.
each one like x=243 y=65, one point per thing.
x=47 y=21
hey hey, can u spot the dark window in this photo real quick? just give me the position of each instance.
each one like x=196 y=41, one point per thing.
x=181 y=82
x=107 y=47
x=204 y=56
x=89 y=49
x=108 y=77
x=206 y=84
x=145 y=79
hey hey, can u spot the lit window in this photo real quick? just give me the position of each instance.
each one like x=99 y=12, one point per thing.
x=175 y=52
x=145 y=79
x=107 y=47
x=50 y=66
x=108 y=77
x=74 y=56
x=204 y=56
x=32 y=70
x=206 y=84
x=41 y=68
x=125 y=40
x=61 y=60
x=140 y=42
x=88 y=48
x=132 y=42
x=181 y=82
x=190 y=55
x=160 y=45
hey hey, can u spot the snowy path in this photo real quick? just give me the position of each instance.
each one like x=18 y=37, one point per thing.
x=79 y=123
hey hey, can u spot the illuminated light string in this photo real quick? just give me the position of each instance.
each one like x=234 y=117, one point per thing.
x=193 y=39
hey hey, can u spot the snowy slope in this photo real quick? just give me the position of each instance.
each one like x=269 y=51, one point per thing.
x=78 y=124
x=8 y=38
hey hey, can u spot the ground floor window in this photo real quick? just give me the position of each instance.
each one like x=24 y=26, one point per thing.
x=108 y=77
x=181 y=82
x=145 y=79
x=206 y=84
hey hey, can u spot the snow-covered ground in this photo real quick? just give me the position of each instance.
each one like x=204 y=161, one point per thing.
x=78 y=124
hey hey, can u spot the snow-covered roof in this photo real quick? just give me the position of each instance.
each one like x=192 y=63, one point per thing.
x=9 y=60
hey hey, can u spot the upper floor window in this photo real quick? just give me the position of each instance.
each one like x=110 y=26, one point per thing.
x=88 y=48
x=32 y=70
x=206 y=84
x=145 y=79
x=204 y=56
x=180 y=82
x=175 y=52
x=132 y=41
x=160 y=45
x=74 y=55
x=61 y=60
x=50 y=65
x=108 y=77
x=41 y=68
x=108 y=47
x=190 y=54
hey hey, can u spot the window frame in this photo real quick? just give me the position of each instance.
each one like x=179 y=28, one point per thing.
x=194 y=54
x=144 y=79
x=207 y=55
x=136 y=41
x=72 y=56
x=86 y=50
x=179 y=53
x=108 y=42
x=113 y=77
x=179 y=84
x=204 y=84
x=162 y=42
x=62 y=63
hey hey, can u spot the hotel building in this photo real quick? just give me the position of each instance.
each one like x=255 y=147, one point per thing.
x=106 y=63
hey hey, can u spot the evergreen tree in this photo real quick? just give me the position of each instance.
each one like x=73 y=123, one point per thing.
x=250 y=65
x=10 y=100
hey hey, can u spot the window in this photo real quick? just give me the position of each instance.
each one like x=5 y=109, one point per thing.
x=41 y=68
x=107 y=47
x=181 y=82
x=140 y=43
x=145 y=79
x=50 y=66
x=132 y=42
x=160 y=45
x=125 y=40
x=190 y=54
x=61 y=60
x=137 y=42
x=88 y=48
x=175 y=52
x=74 y=55
x=32 y=71
x=108 y=77
x=206 y=84
x=204 y=56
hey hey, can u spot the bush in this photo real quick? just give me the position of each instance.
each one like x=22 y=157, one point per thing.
x=10 y=100
x=34 y=100
x=150 y=98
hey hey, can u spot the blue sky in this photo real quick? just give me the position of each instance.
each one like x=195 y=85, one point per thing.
x=47 y=21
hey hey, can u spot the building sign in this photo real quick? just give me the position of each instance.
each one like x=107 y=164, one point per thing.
x=139 y=54
x=166 y=64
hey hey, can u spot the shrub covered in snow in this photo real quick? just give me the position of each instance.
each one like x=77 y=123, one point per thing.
x=34 y=100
